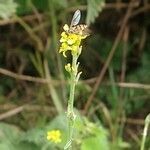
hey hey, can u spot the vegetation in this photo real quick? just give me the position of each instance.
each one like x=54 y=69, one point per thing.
x=112 y=95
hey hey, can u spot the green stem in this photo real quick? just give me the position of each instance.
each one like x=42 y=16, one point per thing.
x=70 y=113
x=147 y=122
x=72 y=84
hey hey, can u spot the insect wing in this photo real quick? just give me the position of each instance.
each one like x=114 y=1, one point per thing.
x=76 y=18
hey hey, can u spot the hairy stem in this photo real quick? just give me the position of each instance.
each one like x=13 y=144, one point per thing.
x=70 y=112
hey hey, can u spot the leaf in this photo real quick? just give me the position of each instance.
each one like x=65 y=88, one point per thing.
x=94 y=136
x=93 y=9
x=9 y=137
x=6 y=145
x=36 y=136
x=8 y=132
x=95 y=143
x=27 y=146
x=60 y=123
x=7 y=8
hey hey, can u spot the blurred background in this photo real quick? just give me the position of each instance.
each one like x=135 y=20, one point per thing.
x=112 y=98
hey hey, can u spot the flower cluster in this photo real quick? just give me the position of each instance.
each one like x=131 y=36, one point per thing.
x=54 y=136
x=70 y=41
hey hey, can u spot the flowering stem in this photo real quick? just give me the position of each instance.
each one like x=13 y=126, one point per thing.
x=71 y=42
x=70 y=112
x=72 y=84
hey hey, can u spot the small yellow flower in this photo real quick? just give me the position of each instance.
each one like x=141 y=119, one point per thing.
x=68 y=67
x=70 y=42
x=63 y=37
x=66 y=28
x=54 y=136
x=72 y=39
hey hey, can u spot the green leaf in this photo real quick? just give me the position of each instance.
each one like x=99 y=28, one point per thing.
x=36 y=136
x=59 y=122
x=7 y=8
x=92 y=136
x=27 y=146
x=9 y=137
x=8 y=132
x=95 y=143
x=93 y=9
x=6 y=145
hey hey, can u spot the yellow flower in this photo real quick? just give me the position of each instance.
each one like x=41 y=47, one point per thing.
x=68 y=67
x=70 y=41
x=73 y=39
x=54 y=136
x=63 y=37
x=66 y=28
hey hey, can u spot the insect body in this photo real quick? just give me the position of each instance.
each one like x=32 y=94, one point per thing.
x=81 y=29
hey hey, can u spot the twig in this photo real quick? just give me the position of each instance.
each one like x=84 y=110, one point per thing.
x=140 y=10
x=11 y=113
x=28 y=107
x=120 y=84
x=22 y=77
x=15 y=110
x=110 y=56
x=132 y=121
x=57 y=82
x=134 y=85
x=14 y=20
